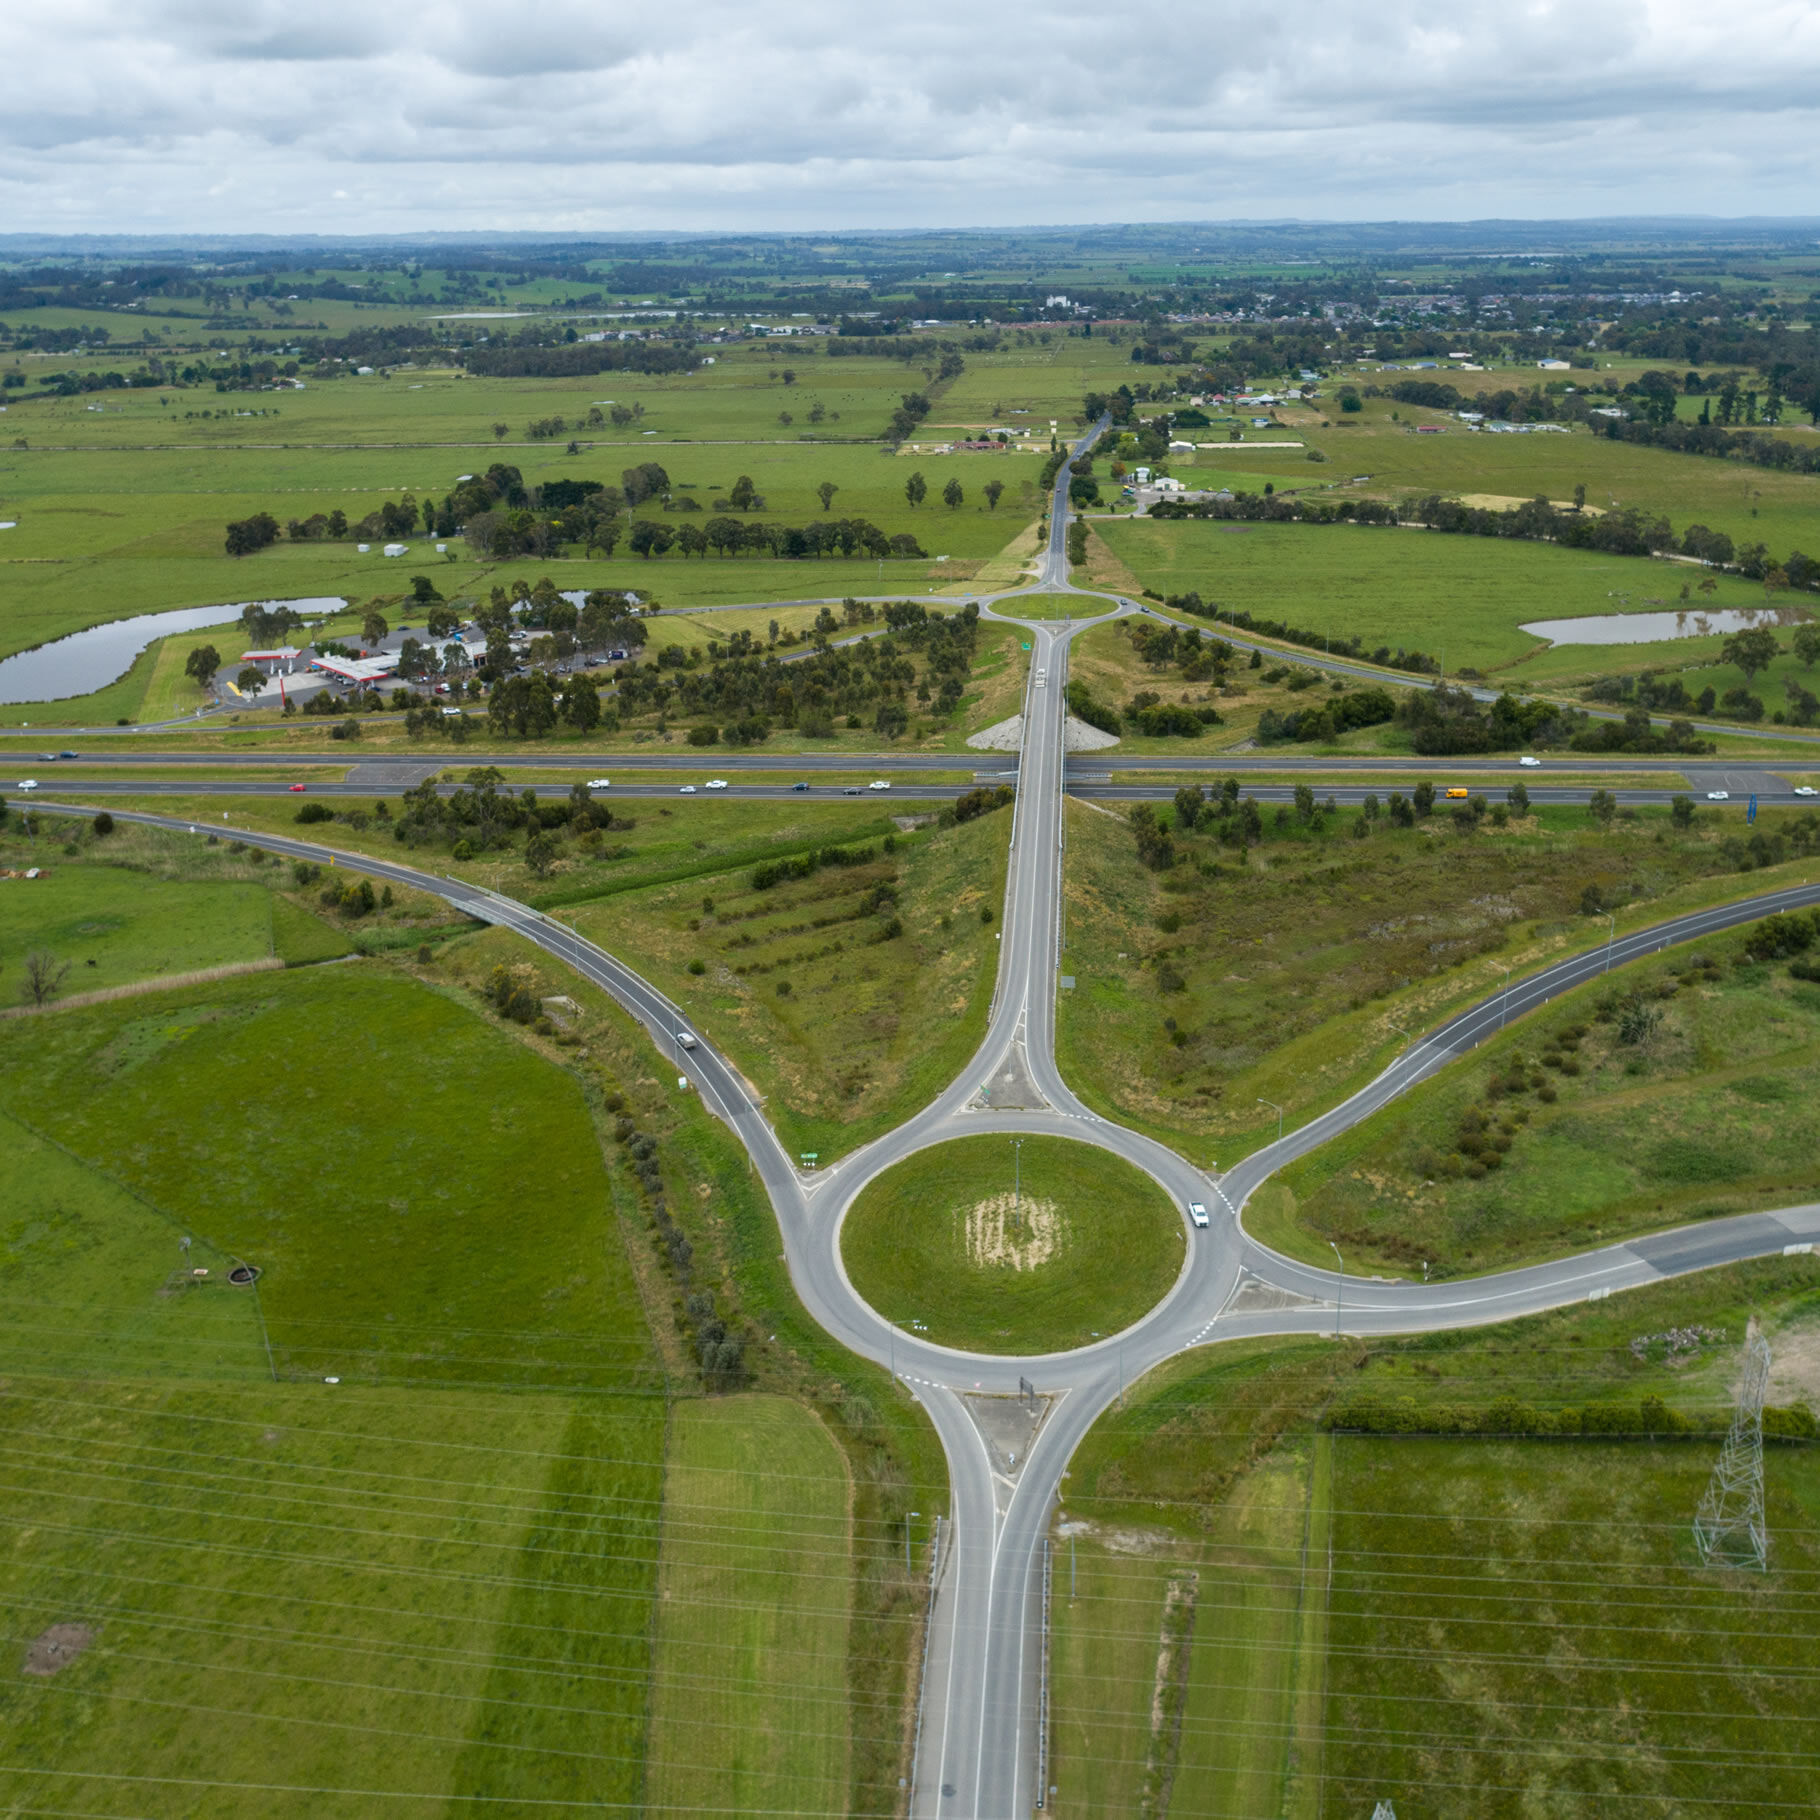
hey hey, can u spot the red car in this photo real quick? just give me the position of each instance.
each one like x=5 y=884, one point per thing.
x=298 y=789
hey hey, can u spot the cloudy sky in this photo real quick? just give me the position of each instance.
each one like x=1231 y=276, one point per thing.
x=352 y=116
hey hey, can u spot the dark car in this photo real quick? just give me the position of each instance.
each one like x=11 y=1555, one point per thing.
x=799 y=786
x=67 y=755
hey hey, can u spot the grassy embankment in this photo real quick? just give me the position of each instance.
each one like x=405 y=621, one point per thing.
x=1283 y=972
x=1302 y=1561
x=1080 y=1245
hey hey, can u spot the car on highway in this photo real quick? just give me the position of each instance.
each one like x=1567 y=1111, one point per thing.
x=1718 y=796
x=853 y=790
x=1806 y=790
x=1197 y=1213
x=28 y=783
x=66 y=755
x=1042 y=676
x=1530 y=764
x=1457 y=793
x=600 y=783
x=685 y=1039
x=685 y=790
x=878 y=784
x=717 y=783
x=799 y=786
x=298 y=789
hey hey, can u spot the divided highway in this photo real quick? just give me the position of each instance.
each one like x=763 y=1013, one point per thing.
x=981 y=1746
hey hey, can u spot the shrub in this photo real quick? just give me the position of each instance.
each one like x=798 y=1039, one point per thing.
x=103 y=823
x=315 y=812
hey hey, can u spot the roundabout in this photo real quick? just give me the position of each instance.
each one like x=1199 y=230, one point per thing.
x=992 y=1244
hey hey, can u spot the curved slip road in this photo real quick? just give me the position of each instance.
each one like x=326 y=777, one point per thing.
x=981 y=1743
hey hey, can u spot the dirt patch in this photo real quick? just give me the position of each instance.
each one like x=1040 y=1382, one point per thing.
x=1794 y=1368
x=1007 y=1232
x=55 y=1649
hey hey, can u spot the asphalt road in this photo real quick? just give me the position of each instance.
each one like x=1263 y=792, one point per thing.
x=980 y=1742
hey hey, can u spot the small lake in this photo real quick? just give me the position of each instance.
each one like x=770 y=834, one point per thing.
x=1654 y=628
x=90 y=660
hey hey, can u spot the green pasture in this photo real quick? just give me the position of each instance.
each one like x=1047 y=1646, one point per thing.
x=1466 y=596
x=994 y=1248
x=1282 y=974
x=1311 y=1559
x=393 y=1264
x=845 y=1026
x=749 y=1702
x=113 y=926
x=1705 y=1114
x=299 y=1597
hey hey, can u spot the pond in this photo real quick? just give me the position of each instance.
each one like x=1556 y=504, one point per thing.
x=1653 y=628
x=90 y=660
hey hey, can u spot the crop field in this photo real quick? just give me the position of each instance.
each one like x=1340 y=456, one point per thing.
x=1231 y=1581
x=1461 y=598
x=991 y=1251
x=1282 y=972
x=849 y=996
x=1672 y=1092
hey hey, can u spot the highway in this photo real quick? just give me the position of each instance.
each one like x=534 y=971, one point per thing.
x=981 y=1744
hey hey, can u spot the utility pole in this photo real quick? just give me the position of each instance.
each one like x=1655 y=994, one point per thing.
x=909 y=1516
x=1278 y=1110
x=1339 y=1301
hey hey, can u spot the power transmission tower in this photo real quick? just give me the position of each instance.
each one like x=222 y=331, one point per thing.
x=1383 y=1811
x=1729 y=1529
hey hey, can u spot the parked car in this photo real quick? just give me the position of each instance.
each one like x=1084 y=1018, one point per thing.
x=1197 y=1213
x=600 y=783
x=1718 y=796
x=1530 y=764
x=298 y=789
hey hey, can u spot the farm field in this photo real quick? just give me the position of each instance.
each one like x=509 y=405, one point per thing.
x=1417 y=590
x=1072 y=1244
x=1283 y=971
x=1236 y=1575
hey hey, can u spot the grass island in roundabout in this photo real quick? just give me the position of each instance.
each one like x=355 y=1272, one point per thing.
x=995 y=1244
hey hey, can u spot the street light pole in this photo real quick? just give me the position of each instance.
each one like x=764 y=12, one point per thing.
x=1278 y=1110
x=1504 y=1004
x=1339 y=1300
x=1017 y=1180
x=1611 y=935
x=908 y=1516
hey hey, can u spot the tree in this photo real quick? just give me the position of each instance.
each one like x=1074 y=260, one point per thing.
x=202 y=663
x=373 y=626
x=1602 y=806
x=581 y=704
x=993 y=489
x=825 y=493
x=953 y=493
x=1424 y=795
x=423 y=590
x=916 y=489
x=44 y=974
x=1751 y=651
x=1806 y=643
x=1681 y=812
x=744 y=497
x=499 y=431
x=246 y=535
x=541 y=852
x=1518 y=798
x=250 y=681
x=1188 y=807
x=442 y=621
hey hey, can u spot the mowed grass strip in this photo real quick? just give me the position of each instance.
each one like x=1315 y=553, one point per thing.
x=290 y=1590
x=1081 y=1246
x=750 y=1711
x=426 y=1196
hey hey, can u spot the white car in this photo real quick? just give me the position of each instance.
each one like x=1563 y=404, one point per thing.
x=880 y=784
x=1197 y=1213
x=717 y=783
x=28 y=783
x=1530 y=764
x=1718 y=796
x=600 y=783
x=685 y=790
x=1806 y=790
